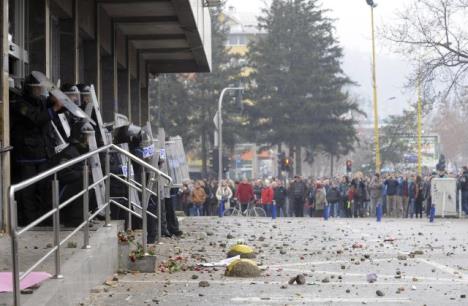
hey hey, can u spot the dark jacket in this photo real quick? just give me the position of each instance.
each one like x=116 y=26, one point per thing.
x=333 y=195
x=464 y=181
x=280 y=195
x=392 y=187
x=31 y=130
x=298 y=189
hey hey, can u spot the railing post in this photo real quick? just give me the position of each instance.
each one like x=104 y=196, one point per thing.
x=158 y=182
x=107 y=197
x=56 y=222
x=86 y=205
x=14 y=252
x=144 y=205
x=129 y=198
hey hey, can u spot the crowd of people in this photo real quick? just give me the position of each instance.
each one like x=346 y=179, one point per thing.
x=356 y=196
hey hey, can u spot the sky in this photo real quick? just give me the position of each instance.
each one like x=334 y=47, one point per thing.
x=354 y=33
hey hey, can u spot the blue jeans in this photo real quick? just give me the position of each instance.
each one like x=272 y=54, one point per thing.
x=267 y=208
x=335 y=209
x=410 y=211
x=465 y=201
x=196 y=210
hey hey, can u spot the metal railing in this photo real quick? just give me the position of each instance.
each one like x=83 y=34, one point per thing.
x=16 y=232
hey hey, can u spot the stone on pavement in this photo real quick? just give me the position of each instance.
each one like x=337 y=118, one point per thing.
x=242 y=268
x=322 y=252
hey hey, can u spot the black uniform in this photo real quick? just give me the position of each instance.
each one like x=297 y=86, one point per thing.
x=33 y=142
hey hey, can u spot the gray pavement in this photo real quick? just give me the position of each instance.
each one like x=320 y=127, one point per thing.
x=416 y=263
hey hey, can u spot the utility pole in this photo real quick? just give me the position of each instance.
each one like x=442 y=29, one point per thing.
x=219 y=120
x=374 y=87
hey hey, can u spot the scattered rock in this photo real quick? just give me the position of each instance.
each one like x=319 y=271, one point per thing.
x=230 y=236
x=203 y=284
x=242 y=268
x=371 y=278
x=284 y=286
x=326 y=280
x=402 y=257
x=379 y=293
x=300 y=279
x=194 y=276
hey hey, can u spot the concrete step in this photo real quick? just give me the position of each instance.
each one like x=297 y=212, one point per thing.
x=83 y=269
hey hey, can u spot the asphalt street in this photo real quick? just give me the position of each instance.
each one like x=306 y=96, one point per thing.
x=415 y=263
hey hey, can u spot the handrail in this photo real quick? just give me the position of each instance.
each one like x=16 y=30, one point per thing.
x=142 y=163
x=56 y=169
x=57 y=206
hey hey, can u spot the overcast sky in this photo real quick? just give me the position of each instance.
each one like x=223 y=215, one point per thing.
x=353 y=30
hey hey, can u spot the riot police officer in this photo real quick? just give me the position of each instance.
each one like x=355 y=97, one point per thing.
x=33 y=139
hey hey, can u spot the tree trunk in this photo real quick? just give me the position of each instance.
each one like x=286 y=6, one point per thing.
x=298 y=161
x=204 y=154
x=280 y=176
x=331 y=165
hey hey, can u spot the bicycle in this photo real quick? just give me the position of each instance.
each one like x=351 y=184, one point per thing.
x=254 y=211
x=233 y=211
x=251 y=211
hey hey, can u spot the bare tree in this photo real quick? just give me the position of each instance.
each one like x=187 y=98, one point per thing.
x=433 y=35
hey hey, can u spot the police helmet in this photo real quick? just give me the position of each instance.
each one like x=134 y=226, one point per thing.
x=84 y=89
x=31 y=82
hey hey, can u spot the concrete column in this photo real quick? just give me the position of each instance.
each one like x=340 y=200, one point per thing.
x=67 y=56
x=144 y=104
x=109 y=104
x=69 y=46
x=136 y=102
x=123 y=93
x=36 y=37
x=4 y=113
x=89 y=63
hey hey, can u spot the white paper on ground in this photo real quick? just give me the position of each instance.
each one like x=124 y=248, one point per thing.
x=222 y=263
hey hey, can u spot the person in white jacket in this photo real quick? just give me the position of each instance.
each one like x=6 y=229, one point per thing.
x=224 y=195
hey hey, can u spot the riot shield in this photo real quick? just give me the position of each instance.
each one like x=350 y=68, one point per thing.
x=125 y=164
x=176 y=161
x=66 y=101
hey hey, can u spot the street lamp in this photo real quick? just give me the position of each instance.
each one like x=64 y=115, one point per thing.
x=219 y=121
x=374 y=86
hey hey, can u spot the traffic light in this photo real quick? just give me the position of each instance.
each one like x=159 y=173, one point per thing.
x=349 y=166
x=285 y=163
x=281 y=157
x=226 y=163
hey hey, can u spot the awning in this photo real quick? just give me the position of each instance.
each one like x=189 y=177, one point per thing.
x=168 y=35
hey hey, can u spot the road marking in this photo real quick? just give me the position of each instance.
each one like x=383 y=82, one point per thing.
x=263 y=282
x=323 y=262
x=275 y=300
x=441 y=267
x=409 y=277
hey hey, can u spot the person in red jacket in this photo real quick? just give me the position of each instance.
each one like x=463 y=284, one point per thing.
x=267 y=198
x=244 y=193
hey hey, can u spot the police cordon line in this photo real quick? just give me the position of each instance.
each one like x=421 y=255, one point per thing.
x=52 y=125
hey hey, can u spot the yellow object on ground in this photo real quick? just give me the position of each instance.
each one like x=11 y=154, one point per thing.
x=242 y=268
x=243 y=250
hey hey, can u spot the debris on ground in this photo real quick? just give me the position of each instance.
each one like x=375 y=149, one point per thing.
x=379 y=293
x=242 y=268
x=242 y=250
x=298 y=279
x=203 y=284
x=371 y=278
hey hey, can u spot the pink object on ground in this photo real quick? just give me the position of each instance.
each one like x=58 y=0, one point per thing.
x=34 y=278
